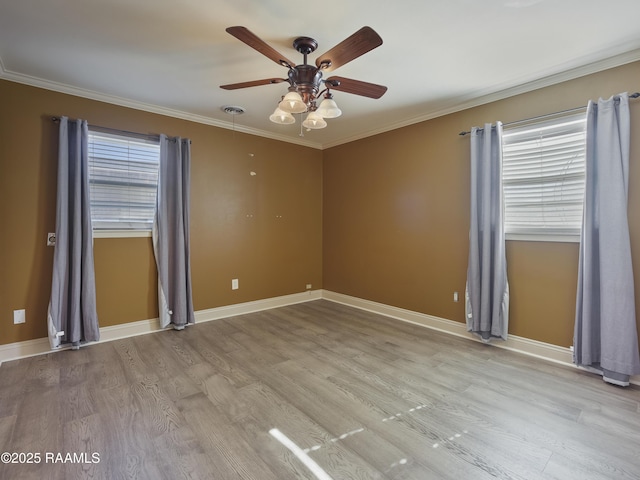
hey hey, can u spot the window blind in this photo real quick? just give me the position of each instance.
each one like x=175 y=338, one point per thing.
x=544 y=177
x=123 y=180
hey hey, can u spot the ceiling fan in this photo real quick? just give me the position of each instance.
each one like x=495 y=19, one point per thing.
x=306 y=82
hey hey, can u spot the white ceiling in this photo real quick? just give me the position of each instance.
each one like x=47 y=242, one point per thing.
x=438 y=56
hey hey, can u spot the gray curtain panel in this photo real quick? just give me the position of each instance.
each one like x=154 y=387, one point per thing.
x=487 y=289
x=605 y=337
x=171 y=233
x=72 y=316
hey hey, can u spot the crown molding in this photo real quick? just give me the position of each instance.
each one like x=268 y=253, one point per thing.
x=473 y=100
x=482 y=98
x=146 y=107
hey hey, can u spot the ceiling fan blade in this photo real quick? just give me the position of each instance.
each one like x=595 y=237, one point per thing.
x=350 y=48
x=357 y=87
x=251 y=39
x=253 y=83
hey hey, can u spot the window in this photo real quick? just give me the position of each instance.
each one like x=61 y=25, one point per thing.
x=123 y=180
x=543 y=179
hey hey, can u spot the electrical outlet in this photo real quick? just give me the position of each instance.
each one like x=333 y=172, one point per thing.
x=234 y=284
x=309 y=286
x=455 y=297
x=51 y=239
x=19 y=316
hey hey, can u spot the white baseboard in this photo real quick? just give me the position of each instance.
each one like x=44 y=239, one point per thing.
x=256 y=306
x=545 y=351
x=29 y=348
x=534 y=348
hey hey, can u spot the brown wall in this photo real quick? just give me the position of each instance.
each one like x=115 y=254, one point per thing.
x=265 y=230
x=384 y=218
x=396 y=215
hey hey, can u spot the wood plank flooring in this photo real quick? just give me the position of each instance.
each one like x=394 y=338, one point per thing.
x=363 y=396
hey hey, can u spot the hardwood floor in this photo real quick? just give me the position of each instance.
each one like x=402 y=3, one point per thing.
x=362 y=396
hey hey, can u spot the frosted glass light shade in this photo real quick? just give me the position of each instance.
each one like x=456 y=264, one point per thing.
x=314 y=121
x=281 y=117
x=328 y=109
x=292 y=103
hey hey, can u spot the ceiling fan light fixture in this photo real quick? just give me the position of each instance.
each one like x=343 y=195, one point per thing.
x=305 y=80
x=314 y=121
x=293 y=103
x=281 y=117
x=328 y=108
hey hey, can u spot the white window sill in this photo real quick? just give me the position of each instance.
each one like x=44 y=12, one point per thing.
x=532 y=237
x=121 y=233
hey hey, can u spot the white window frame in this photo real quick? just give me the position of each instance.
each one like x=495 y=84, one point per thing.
x=111 y=172
x=544 y=168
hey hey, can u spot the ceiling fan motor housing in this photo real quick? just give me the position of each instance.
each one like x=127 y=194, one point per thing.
x=306 y=79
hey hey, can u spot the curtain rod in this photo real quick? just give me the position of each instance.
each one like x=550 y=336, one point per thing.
x=632 y=95
x=151 y=136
